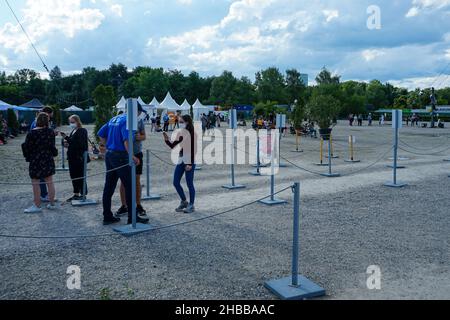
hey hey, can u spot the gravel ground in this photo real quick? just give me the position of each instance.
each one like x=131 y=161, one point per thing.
x=347 y=224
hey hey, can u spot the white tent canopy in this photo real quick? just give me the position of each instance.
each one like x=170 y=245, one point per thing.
x=4 y=106
x=155 y=103
x=73 y=109
x=141 y=101
x=199 y=109
x=169 y=104
x=122 y=104
x=186 y=106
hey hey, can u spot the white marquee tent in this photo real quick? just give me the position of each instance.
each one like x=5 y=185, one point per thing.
x=199 y=109
x=73 y=109
x=169 y=104
x=155 y=103
x=186 y=107
x=122 y=104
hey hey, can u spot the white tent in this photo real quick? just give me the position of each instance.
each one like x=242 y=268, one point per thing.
x=155 y=103
x=73 y=109
x=199 y=109
x=141 y=101
x=122 y=104
x=169 y=104
x=186 y=107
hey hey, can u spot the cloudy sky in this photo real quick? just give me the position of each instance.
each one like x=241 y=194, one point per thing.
x=411 y=47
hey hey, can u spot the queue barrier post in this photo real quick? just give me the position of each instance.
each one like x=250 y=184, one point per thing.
x=396 y=124
x=233 y=126
x=295 y=287
x=134 y=228
x=84 y=201
x=258 y=165
x=351 y=146
x=330 y=173
x=63 y=158
x=321 y=163
x=149 y=195
x=272 y=201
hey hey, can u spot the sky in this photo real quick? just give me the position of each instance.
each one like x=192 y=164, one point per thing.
x=404 y=42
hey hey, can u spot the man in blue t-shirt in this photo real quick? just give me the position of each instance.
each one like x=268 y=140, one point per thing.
x=114 y=136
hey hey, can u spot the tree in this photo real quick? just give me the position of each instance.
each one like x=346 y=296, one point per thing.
x=222 y=89
x=376 y=95
x=401 y=102
x=104 y=98
x=323 y=109
x=244 y=92
x=270 y=85
x=294 y=86
x=325 y=77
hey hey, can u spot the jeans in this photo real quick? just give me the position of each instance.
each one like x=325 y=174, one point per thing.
x=43 y=186
x=180 y=170
x=115 y=160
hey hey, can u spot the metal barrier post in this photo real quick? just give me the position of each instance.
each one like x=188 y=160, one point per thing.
x=149 y=195
x=233 y=126
x=321 y=164
x=351 y=142
x=63 y=158
x=134 y=228
x=296 y=287
x=330 y=173
x=272 y=201
x=396 y=124
x=84 y=202
x=257 y=172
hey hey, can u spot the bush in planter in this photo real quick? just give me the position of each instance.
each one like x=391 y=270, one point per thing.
x=322 y=109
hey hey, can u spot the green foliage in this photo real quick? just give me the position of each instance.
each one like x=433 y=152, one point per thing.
x=298 y=114
x=13 y=123
x=57 y=114
x=266 y=109
x=270 y=84
x=323 y=109
x=105 y=100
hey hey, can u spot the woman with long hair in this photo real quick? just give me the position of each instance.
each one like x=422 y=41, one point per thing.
x=39 y=150
x=77 y=145
x=187 y=139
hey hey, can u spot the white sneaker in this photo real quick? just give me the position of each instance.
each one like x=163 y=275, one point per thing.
x=33 y=209
x=45 y=199
x=51 y=206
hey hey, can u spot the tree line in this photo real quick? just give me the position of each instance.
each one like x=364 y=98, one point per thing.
x=271 y=86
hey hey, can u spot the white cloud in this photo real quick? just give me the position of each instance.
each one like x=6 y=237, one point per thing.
x=372 y=54
x=117 y=9
x=421 y=5
x=331 y=14
x=4 y=60
x=44 y=17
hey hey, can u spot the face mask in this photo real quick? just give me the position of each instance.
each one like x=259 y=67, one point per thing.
x=182 y=125
x=73 y=125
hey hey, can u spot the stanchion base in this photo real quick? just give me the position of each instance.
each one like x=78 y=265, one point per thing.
x=395 y=185
x=400 y=159
x=255 y=173
x=262 y=165
x=446 y=160
x=297 y=151
x=398 y=167
x=333 y=157
x=331 y=175
x=274 y=202
x=352 y=161
x=284 y=289
x=198 y=168
x=322 y=164
x=231 y=187
x=83 y=203
x=128 y=231
x=62 y=169
x=151 y=197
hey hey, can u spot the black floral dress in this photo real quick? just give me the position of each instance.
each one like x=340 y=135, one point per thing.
x=42 y=150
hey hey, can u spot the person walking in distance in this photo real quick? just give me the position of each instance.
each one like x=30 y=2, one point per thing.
x=187 y=139
x=114 y=137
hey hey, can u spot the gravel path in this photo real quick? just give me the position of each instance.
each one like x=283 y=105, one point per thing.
x=347 y=224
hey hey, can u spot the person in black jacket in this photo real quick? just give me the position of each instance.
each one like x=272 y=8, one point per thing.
x=77 y=145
